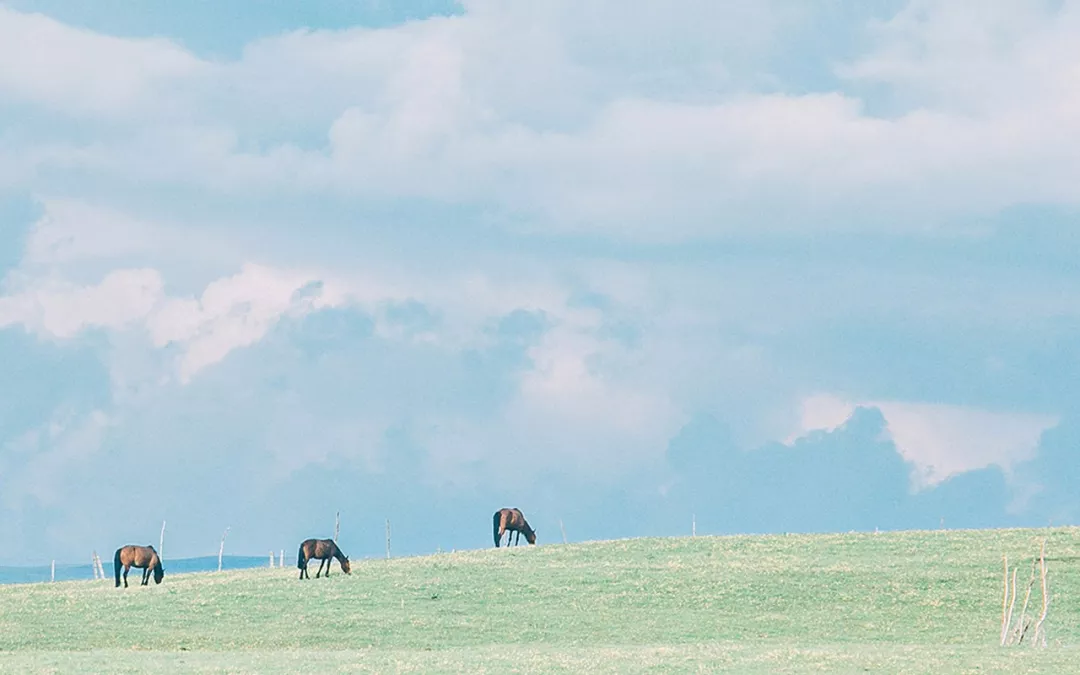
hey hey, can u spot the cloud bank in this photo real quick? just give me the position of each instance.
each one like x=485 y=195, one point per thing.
x=784 y=267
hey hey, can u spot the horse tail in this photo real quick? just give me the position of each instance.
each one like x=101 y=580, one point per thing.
x=495 y=522
x=117 y=565
x=301 y=563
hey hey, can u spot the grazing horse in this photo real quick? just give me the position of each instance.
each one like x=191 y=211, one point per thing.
x=324 y=550
x=144 y=557
x=512 y=521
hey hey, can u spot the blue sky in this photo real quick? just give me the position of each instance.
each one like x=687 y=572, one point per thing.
x=780 y=266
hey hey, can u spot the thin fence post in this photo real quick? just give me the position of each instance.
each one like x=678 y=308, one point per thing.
x=221 y=550
x=271 y=560
x=281 y=558
x=387 y=538
x=563 y=530
x=337 y=525
x=693 y=524
x=1039 y=629
x=161 y=542
x=93 y=564
x=53 y=571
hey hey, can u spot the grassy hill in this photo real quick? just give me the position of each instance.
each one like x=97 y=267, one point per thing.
x=913 y=602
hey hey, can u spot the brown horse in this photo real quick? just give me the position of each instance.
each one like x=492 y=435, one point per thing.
x=512 y=521
x=324 y=550
x=144 y=557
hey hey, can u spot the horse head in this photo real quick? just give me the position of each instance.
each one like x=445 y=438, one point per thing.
x=345 y=565
x=530 y=536
x=159 y=573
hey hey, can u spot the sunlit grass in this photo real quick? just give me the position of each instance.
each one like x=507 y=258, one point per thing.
x=926 y=602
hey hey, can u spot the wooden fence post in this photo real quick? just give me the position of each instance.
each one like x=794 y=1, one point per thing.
x=53 y=573
x=221 y=551
x=161 y=542
x=387 y=538
x=93 y=564
x=337 y=525
x=1039 y=630
x=563 y=530
x=693 y=524
x=281 y=558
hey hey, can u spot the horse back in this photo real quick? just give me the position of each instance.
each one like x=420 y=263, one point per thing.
x=326 y=548
x=319 y=548
x=137 y=556
x=511 y=519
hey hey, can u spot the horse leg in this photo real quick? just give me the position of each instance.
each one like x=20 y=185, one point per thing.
x=127 y=567
x=146 y=576
x=319 y=572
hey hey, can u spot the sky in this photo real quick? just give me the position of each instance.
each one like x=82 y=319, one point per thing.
x=766 y=266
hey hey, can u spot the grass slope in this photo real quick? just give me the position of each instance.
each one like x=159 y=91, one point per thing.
x=913 y=602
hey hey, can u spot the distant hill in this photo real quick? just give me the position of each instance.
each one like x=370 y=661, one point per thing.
x=30 y=575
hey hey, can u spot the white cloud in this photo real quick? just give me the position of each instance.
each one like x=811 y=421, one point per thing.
x=62 y=310
x=232 y=313
x=44 y=458
x=631 y=121
x=973 y=58
x=940 y=439
x=952 y=439
x=71 y=231
x=820 y=412
x=78 y=71
x=564 y=416
x=569 y=406
x=438 y=109
x=583 y=402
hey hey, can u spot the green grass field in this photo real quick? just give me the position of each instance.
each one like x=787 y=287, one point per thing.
x=912 y=602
